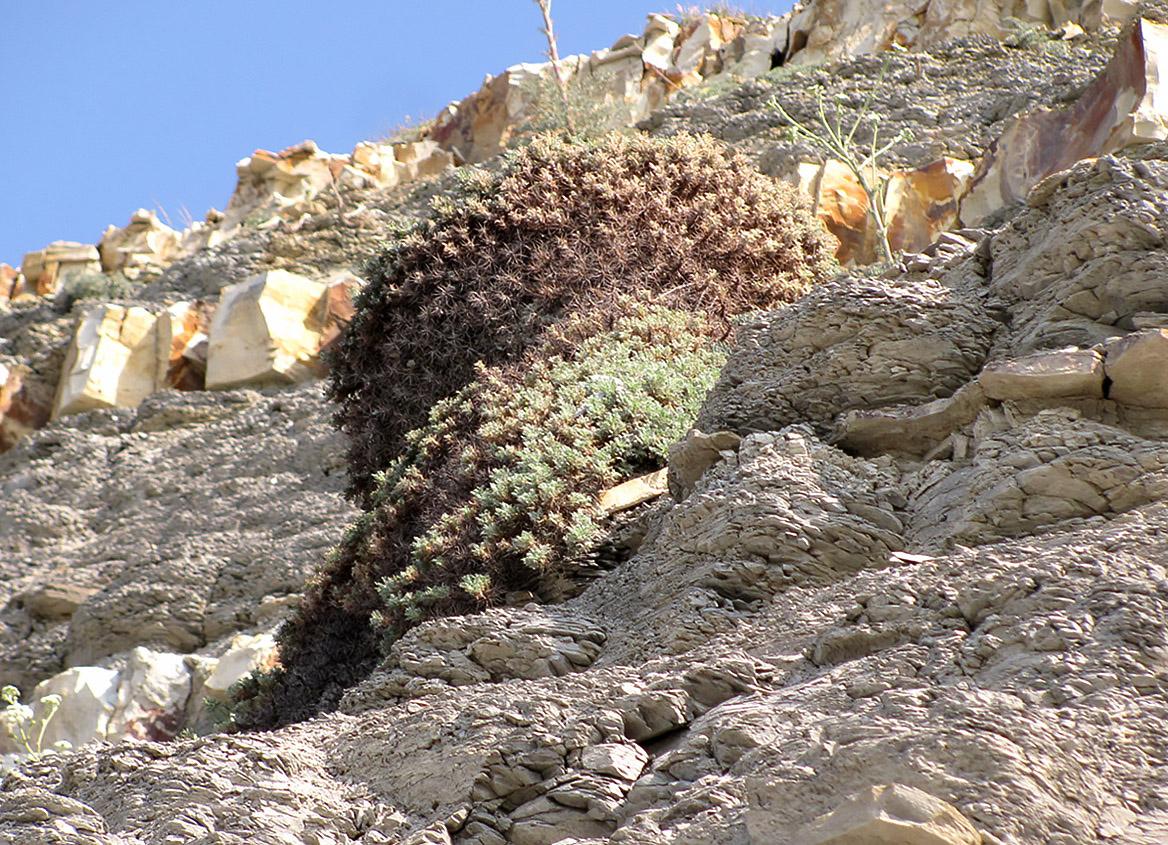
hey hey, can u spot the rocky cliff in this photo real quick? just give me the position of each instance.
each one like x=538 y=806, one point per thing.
x=908 y=581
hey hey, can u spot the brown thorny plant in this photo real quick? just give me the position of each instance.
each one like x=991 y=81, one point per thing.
x=533 y=259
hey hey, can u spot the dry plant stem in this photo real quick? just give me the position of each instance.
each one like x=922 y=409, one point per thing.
x=545 y=6
x=833 y=140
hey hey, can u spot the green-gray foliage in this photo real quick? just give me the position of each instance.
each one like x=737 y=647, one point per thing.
x=529 y=456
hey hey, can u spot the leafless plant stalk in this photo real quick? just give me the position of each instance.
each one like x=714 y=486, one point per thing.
x=553 y=53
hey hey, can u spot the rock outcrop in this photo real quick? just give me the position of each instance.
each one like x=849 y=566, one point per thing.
x=908 y=583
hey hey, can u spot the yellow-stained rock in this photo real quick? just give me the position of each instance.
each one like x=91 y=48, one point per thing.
x=117 y=359
x=145 y=245
x=891 y=815
x=921 y=204
x=46 y=270
x=11 y=283
x=634 y=491
x=266 y=329
x=842 y=205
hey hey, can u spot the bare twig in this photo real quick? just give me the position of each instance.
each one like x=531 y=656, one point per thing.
x=863 y=164
x=553 y=53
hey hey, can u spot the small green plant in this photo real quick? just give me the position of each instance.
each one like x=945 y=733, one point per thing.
x=861 y=157
x=24 y=726
x=517 y=463
x=104 y=286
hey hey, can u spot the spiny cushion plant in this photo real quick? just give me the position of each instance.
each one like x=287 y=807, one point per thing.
x=526 y=453
x=504 y=365
x=563 y=227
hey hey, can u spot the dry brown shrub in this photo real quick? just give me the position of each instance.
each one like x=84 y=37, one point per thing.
x=564 y=227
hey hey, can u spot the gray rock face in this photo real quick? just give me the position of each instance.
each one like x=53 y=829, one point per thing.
x=954 y=99
x=857 y=593
x=1083 y=262
x=854 y=343
x=179 y=518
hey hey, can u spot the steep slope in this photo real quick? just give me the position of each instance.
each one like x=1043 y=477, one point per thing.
x=800 y=625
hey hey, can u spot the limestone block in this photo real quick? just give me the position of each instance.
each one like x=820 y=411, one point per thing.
x=377 y=160
x=266 y=329
x=658 y=38
x=690 y=457
x=891 y=815
x=421 y=158
x=909 y=430
x=921 y=204
x=116 y=359
x=89 y=696
x=46 y=270
x=153 y=688
x=1138 y=368
x=1123 y=106
x=1067 y=372
x=247 y=654
x=145 y=245
x=633 y=492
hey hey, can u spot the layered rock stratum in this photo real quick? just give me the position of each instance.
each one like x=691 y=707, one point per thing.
x=907 y=584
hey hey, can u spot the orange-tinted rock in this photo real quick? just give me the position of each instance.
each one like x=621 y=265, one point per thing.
x=20 y=411
x=187 y=326
x=921 y=204
x=1123 y=106
x=842 y=205
x=337 y=309
x=10 y=282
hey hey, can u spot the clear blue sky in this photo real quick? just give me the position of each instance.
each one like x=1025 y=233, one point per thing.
x=106 y=107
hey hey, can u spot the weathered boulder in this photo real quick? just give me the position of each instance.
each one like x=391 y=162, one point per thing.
x=117 y=358
x=1122 y=107
x=247 y=653
x=886 y=815
x=144 y=246
x=47 y=270
x=1137 y=365
x=266 y=329
x=850 y=344
x=1046 y=375
x=911 y=430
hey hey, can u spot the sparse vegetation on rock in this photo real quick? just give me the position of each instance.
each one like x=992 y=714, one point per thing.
x=536 y=280
x=563 y=228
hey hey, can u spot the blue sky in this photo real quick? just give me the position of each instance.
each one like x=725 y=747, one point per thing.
x=108 y=107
